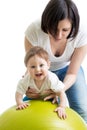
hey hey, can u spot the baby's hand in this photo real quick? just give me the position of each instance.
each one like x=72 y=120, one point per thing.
x=61 y=112
x=22 y=106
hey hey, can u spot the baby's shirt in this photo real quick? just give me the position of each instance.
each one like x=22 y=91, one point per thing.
x=51 y=82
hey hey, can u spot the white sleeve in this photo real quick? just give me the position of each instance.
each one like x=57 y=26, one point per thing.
x=31 y=34
x=56 y=84
x=21 y=87
x=81 y=38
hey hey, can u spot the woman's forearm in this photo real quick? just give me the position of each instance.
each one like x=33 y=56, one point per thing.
x=69 y=80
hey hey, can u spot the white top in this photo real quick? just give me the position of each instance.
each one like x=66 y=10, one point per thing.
x=51 y=82
x=37 y=37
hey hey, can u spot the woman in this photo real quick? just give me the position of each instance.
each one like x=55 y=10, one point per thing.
x=59 y=33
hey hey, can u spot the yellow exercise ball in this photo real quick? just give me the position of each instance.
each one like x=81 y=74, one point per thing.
x=40 y=115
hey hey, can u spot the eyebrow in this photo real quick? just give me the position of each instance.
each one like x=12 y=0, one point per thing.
x=65 y=28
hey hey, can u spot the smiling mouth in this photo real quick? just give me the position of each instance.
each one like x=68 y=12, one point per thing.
x=38 y=75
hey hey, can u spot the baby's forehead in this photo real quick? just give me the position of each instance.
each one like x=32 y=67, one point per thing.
x=37 y=58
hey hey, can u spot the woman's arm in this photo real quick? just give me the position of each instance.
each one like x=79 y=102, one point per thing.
x=74 y=66
x=27 y=45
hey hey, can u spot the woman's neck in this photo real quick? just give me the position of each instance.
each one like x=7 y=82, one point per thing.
x=58 y=47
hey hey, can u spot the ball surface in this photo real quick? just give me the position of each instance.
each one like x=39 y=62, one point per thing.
x=40 y=115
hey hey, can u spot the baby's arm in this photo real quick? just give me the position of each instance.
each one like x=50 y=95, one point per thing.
x=19 y=101
x=62 y=105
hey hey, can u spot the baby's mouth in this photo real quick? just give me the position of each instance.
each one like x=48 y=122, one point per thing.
x=38 y=75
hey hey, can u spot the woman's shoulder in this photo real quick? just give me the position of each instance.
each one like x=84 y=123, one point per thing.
x=35 y=25
x=82 y=35
x=81 y=38
x=82 y=29
x=34 y=29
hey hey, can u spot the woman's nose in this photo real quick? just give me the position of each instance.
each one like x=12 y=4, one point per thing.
x=59 y=35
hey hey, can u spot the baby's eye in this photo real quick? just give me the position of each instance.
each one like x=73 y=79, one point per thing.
x=41 y=65
x=32 y=67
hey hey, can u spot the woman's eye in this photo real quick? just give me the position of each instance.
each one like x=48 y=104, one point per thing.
x=65 y=30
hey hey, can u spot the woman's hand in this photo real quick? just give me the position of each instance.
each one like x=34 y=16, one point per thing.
x=51 y=95
x=32 y=93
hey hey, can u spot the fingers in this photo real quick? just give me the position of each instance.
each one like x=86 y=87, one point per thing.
x=32 y=90
x=32 y=93
x=54 y=100
x=34 y=96
x=61 y=112
x=48 y=91
x=52 y=96
x=22 y=106
x=49 y=97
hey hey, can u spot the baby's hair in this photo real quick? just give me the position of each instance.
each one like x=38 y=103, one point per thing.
x=39 y=51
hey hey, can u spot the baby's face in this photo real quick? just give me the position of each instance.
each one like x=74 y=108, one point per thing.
x=37 y=68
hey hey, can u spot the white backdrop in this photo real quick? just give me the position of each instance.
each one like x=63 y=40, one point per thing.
x=15 y=16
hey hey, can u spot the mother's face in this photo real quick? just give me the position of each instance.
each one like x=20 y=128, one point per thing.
x=63 y=30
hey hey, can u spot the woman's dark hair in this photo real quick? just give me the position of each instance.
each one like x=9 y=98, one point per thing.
x=57 y=10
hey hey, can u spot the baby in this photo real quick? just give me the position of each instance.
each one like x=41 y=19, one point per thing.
x=39 y=77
